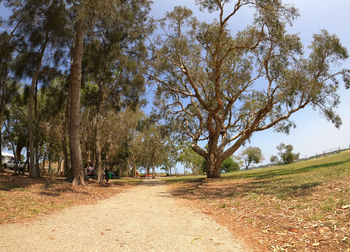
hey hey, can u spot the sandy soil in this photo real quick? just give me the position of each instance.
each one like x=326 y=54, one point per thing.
x=144 y=218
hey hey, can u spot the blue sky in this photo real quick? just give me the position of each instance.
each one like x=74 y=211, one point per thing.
x=314 y=134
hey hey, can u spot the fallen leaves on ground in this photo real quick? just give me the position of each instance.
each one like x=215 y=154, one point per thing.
x=22 y=197
x=313 y=218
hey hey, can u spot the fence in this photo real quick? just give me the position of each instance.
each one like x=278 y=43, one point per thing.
x=326 y=153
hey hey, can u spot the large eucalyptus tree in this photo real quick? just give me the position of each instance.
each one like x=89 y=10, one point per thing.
x=224 y=84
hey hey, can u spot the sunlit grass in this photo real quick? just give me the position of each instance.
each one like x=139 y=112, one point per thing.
x=282 y=182
x=301 y=175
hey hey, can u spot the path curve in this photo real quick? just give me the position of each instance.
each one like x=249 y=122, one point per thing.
x=144 y=218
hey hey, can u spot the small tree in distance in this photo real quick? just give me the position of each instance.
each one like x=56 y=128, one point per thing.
x=274 y=159
x=252 y=155
x=286 y=154
x=229 y=165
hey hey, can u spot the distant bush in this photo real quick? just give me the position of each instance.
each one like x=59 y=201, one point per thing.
x=228 y=165
x=286 y=154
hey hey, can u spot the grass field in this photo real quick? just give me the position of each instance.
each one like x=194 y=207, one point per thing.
x=298 y=207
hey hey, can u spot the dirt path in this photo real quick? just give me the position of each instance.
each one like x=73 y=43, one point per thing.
x=144 y=218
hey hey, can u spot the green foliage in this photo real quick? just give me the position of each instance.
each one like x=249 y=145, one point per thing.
x=228 y=165
x=286 y=154
x=252 y=155
x=15 y=123
x=189 y=158
x=274 y=159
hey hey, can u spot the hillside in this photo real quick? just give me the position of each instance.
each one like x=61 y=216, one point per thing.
x=298 y=207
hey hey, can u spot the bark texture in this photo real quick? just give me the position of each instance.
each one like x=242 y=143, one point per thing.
x=34 y=172
x=74 y=117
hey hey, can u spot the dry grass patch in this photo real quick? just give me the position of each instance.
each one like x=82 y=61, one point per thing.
x=22 y=197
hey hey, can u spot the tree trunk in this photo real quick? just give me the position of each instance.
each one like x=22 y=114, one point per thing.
x=98 y=165
x=59 y=166
x=2 y=87
x=36 y=126
x=121 y=173
x=1 y=166
x=67 y=170
x=27 y=159
x=134 y=165
x=74 y=122
x=44 y=161
x=50 y=161
x=14 y=156
x=247 y=164
x=127 y=168
x=85 y=127
x=33 y=171
x=37 y=157
x=213 y=166
x=98 y=135
x=153 y=170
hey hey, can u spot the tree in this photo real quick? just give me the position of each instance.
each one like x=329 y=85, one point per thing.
x=74 y=99
x=286 y=154
x=15 y=134
x=229 y=165
x=51 y=116
x=252 y=155
x=153 y=142
x=39 y=25
x=274 y=159
x=7 y=87
x=224 y=86
x=189 y=158
x=103 y=18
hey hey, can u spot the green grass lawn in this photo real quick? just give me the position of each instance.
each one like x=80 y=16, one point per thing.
x=286 y=179
x=293 y=179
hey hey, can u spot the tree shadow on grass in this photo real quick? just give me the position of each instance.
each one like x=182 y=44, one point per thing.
x=278 y=183
x=9 y=183
x=263 y=174
x=276 y=188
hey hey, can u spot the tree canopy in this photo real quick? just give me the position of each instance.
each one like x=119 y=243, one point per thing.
x=285 y=151
x=252 y=155
x=224 y=85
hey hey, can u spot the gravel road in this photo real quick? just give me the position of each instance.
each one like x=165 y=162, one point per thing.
x=144 y=218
